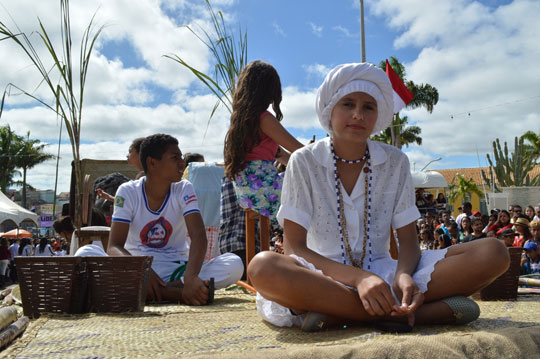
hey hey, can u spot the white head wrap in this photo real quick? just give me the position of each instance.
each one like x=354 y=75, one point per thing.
x=360 y=77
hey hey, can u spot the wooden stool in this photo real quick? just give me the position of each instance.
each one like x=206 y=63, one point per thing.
x=87 y=235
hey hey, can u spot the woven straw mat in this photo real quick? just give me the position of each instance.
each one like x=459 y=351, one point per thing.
x=230 y=328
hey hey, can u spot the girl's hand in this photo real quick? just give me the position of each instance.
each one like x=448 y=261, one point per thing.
x=408 y=292
x=375 y=295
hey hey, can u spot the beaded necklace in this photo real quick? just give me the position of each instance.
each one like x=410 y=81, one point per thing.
x=342 y=222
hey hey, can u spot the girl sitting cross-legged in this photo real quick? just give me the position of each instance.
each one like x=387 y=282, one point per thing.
x=340 y=198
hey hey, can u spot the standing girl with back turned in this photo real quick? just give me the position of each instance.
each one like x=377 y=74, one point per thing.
x=254 y=137
x=341 y=196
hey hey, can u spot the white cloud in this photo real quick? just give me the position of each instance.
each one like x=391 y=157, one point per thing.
x=298 y=108
x=278 y=29
x=316 y=29
x=480 y=60
x=120 y=99
x=344 y=31
x=317 y=70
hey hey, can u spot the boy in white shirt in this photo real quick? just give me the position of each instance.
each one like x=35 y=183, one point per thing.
x=153 y=215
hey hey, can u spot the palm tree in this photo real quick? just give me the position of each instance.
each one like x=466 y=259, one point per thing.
x=462 y=188
x=409 y=134
x=425 y=96
x=31 y=154
x=10 y=147
x=532 y=149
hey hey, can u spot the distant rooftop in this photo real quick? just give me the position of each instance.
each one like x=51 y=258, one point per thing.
x=475 y=173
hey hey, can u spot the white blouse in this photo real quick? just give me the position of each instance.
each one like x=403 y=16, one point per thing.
x=309 y=199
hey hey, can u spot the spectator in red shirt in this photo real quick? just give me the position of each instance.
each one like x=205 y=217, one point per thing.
x=502 y=223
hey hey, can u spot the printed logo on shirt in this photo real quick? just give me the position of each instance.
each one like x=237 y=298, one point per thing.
x=119 y=201
x=156 y=234
x=189 y=199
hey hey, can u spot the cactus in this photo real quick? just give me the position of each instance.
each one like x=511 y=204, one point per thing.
x=509 y=171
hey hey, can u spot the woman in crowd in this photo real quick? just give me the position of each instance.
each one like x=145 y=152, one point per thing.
x=529 y=212
x=44 y=249
x=441 y=201
x=25 y=248
x=502 y=223
x=524 y=235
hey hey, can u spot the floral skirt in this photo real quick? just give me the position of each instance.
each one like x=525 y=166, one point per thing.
x=258 y=187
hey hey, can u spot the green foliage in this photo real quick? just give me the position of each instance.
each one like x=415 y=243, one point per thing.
x=17 y=152
x=425 y=96
x=32 y=154
x=464 y=187
x=230 y=55
x=532 y=148
x=10 y=148
x=409 y=134
x=509 y=170
x=68 y=98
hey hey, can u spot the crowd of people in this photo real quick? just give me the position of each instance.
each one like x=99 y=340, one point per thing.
x=26 y=247
x=514 y=227
x=336 y=203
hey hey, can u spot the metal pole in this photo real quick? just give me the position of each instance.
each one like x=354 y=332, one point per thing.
x=430 y=162
x=362 y=31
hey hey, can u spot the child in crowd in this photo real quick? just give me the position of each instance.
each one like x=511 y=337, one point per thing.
x=508 y=236
x=426 y=239
x=153 y=215
x=443 y=242
x=535 y=231
x=454 y=232
x=253 y=139
x=466 y=228
x=531 y=263
x=341 y=195
x=477 y=227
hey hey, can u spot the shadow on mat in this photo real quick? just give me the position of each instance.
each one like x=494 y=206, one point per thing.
x=365 y=332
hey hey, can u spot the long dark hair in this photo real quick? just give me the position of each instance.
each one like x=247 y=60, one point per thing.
x=24 y=243
x=469 y=227
x=258 y=87
x=509 y=217
x=43 y=244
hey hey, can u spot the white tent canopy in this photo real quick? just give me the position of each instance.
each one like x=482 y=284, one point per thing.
x=11 y=210
x=428 y=179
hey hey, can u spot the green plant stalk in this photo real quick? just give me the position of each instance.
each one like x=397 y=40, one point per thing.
x=66 y=105
x=230 y=55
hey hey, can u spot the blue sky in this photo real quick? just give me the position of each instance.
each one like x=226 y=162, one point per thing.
x=480 y=55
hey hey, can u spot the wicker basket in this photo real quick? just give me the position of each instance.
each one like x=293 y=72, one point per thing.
x=52 y=284
x=506 y=286
x=118 y=284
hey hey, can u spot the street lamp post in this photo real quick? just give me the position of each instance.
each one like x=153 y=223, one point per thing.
x=435 y=160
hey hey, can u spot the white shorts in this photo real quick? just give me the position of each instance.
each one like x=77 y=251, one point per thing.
x=226 y=269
